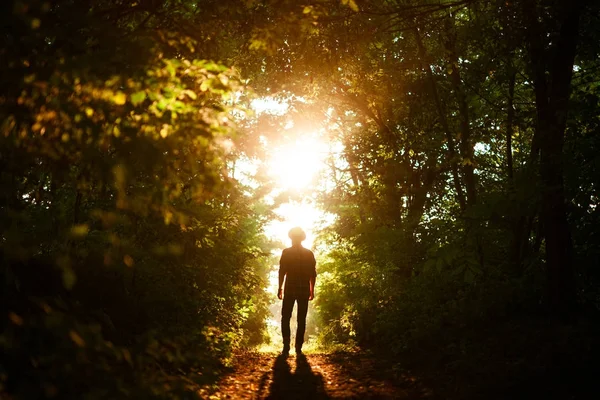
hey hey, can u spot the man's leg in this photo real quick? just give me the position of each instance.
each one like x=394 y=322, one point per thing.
x=302 y=310
x=286 y=315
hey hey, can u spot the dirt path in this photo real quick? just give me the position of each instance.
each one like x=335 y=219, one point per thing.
x=315 y=376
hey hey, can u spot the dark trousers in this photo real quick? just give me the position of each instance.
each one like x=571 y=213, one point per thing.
x=286 y=315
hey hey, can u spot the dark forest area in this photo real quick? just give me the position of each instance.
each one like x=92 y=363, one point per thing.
x=463 y=244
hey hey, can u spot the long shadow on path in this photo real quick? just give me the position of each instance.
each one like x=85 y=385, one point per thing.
x=302 y=383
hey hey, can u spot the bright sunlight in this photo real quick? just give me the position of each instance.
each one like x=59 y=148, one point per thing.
x=297 y=165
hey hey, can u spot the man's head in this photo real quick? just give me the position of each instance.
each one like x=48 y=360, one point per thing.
x=297 y=235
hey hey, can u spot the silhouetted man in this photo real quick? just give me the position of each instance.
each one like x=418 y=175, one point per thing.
x=297 y=268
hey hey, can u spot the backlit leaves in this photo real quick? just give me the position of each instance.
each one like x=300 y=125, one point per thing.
x=352 y=4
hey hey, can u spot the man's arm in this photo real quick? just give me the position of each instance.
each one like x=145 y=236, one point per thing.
x=313 y=278
x=282 y=272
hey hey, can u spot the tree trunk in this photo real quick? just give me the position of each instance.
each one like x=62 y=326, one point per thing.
x=552 y=84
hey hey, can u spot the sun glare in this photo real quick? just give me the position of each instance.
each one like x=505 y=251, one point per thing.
x=269 y=105
x=296 y=165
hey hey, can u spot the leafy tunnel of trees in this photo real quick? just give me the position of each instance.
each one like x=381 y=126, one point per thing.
x=465 y=243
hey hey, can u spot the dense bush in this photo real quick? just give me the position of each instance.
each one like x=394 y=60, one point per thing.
x=132 y=260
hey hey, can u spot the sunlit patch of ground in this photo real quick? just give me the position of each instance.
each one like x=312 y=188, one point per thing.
x=310 y=347
x=349 y=375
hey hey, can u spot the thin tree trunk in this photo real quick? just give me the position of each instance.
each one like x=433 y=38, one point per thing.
x=417 y=206
x=444 y=121
x=356 y=183
x=510 y=118
x=465 y=145
x=519 y=227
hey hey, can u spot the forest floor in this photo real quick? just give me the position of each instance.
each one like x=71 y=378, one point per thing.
x=347 y=375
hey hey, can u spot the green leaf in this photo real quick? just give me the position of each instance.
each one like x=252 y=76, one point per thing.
x=205 y=85
x=191 y=94
x=162 y=104
x=170 y=69
x=138 y=97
